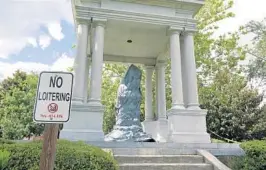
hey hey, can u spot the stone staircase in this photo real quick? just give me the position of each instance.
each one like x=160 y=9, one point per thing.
x=155 y=159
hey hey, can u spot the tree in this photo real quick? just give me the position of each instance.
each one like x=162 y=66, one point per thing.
x=17 y=97
x=233 y=108
x=257 y=67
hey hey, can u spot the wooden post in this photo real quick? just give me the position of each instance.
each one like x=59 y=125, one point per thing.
x=49 y=147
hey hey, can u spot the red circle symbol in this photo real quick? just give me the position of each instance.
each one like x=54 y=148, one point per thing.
x=52 y=107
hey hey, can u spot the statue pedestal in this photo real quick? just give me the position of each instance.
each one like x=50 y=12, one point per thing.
x=188 y=126
x=85 y=123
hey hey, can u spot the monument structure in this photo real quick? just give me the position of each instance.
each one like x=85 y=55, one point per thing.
x=145 y=32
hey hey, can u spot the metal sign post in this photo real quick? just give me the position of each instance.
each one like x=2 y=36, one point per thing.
x=52 y=106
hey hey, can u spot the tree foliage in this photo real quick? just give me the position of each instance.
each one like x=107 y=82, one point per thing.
x=215 y=54
x=17 y=96
x=257 y=67
x=233 y=108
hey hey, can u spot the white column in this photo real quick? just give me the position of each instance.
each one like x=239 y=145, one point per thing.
x=184 y=75
x=80 y=63
x=86 y=81
x=161 y=127
x=190 y=72
x=176 y=73
x=97 y=63
x=148 y=93
x=160 y=66
x=188 y=125
x=156 y=94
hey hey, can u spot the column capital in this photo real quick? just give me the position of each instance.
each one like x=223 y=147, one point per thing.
x=99 y=22
x=185 y=35
x=82 y=28
x=83 y=22
x=148 y=67
x=174 y=30
x=188 y=32
x=160 y=64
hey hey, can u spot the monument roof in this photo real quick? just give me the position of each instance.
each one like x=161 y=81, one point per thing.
x=191 y=6
x=139 y=28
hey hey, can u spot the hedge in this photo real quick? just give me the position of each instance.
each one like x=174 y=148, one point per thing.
x=255 y=156
x=69 y=156
x=4 y=157
x=2 y=141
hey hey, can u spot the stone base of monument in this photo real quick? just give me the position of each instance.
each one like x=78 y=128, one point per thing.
x=188 y=126
x=157 y=129
x=162 y=134
x=144 y=148
x=148 y=127
x=85 y=123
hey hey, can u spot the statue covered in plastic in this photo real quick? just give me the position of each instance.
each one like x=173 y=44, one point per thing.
x=128 y=126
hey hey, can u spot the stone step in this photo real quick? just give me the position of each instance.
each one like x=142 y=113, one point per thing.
x=159 y=158
x=166 y=166
x=153 y=151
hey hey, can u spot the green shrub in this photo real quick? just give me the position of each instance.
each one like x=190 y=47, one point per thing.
x=2 y=141
x=255 y=156
x=4 y=157
x=69 y=156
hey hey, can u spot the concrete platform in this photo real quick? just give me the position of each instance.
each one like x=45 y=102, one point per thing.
x=217 y=149
x=159 y=158
x=173 y=166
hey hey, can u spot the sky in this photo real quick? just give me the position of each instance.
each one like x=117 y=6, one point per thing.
x=245 y=11
x=37 y=35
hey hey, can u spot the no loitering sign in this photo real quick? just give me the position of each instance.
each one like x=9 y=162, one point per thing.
x=53 y=97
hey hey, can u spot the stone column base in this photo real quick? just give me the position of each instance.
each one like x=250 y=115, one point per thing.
x=149 y=127
x=162 y=134
x=85 y=123
x=158 y=129
x=188 y=126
